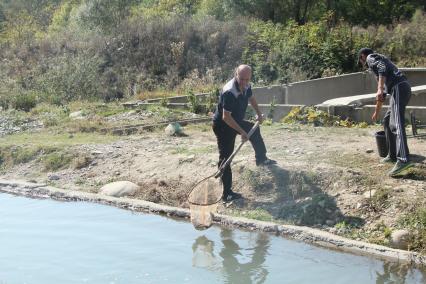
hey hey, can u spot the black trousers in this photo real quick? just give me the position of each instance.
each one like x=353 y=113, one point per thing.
x=394 y=122
x=225 y=136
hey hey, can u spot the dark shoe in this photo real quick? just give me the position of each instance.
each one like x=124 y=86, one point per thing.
x=266 y=162
x=387 y=159
x=231 y=196
x=399 y=168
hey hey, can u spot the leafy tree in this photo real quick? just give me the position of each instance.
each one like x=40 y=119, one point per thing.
x=2 y=18
x=20 y=29
x=69 y=77
x=40 y=10
x=214 y=8
x=165 y=8
x=61 y=16
x=277 y=11
x=53 y=48
x=359 y=12
x=106 y=15
x=368 y=12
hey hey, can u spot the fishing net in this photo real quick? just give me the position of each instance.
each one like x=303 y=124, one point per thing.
x=203 y=201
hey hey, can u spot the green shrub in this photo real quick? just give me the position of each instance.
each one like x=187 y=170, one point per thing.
x=212 y=99
x=70 y=77
x=56 y=161
x=87 y=126
x=4 y=102
x=81 y=161
x=194 y=103
x=24 y=102
x=405 y=44
x=293 y=53
x=416 y=223
x=288 y=53
x=257 y=214
x=164 y=101
x=312 y=115
x=272 y=109
x=10 y=156
x=380 y=200
x=70 y=50
x=24 y=155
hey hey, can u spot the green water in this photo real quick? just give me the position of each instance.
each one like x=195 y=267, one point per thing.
x=45 y=241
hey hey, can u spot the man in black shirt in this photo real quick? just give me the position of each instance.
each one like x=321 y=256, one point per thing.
x=228 y=121
x=390 y=81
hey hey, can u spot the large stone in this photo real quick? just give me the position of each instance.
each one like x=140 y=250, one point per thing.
x=369 y=193
x=54 y=177
x=77 y=115
x=173 y=129
x=399 y=239
x=119 y=188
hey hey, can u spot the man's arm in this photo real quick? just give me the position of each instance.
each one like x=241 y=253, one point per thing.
x=255 y=106
x=377 y=110
x=380 y=96
x=380 y=88
x=227 y=117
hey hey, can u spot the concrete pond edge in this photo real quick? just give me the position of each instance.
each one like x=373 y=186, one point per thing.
x=300 y=233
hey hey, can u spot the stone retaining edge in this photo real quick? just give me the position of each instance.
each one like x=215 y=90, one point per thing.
x=305 y=234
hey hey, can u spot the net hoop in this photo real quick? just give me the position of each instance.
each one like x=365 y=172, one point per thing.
x=215 y=201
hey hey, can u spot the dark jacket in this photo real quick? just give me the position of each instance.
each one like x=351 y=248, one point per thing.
x=233 y=100
x=380 y=65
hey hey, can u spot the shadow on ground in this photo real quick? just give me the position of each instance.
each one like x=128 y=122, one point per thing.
x=417 y=158
x=418 y=172
x=300 y=200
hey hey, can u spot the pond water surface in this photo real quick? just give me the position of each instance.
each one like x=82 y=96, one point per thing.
x=46 y=241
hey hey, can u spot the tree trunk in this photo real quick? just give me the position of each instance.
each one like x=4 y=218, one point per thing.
x=296 y=9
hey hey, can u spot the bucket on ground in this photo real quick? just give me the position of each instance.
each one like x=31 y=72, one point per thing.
x=381 y=143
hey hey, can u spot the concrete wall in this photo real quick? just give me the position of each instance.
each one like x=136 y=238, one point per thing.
x=278 y=112
x=179 y=99
x=358 y=114
x=319 y=90
x=315 y=92
x=416 y=76
x=364 y=113
x=265 y=95
x=418 y=100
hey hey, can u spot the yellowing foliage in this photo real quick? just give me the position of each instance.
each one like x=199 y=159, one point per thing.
x=316 y=117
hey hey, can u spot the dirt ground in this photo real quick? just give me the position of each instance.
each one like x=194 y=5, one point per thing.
x=325 y=177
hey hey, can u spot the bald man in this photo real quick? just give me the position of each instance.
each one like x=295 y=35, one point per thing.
x=228 y=122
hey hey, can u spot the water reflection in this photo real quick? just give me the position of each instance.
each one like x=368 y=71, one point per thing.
x=252 y=271
x=397 y=273
x=41 y=239
x=203 y=254
x=241 y=259
x=237 y=265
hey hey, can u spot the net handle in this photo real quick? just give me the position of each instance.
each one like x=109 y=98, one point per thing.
x=229 y=160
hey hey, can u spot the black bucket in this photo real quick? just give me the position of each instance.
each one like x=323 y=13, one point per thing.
x=381 y=143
